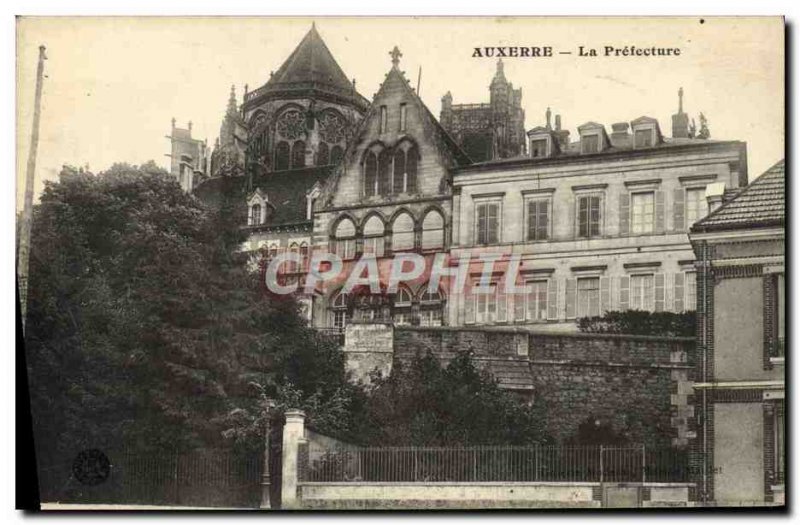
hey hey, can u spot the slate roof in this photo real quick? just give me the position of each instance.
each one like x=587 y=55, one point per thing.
x=286 y=191
x=760 y=204
x=311 y=66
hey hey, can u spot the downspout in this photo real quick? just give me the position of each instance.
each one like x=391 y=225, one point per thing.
x=705 y=263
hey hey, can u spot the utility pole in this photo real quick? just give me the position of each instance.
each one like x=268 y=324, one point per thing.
x=269 y=406
x=24 y=239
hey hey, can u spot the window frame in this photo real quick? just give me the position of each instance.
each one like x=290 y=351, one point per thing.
x=548 y=200
x=600 y=196
x=488 y=201
x=596 y=290
x=640 y=301
x=632 y=228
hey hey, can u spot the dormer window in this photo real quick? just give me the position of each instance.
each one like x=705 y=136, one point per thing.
x=646 y=133
x=258 y=208
x=255 y=215
x=590 y=143
x=539 y=148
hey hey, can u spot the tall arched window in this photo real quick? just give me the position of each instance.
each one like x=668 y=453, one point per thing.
x=336 y=155
x=323 y=154
x=412 y=156
x=304 y=255
x=432 y=231
x=273 y=251
x=369 y=307
x=298 y=154
x=255 y=215
x=371 y=174
x=431 y=307
x=402 y=312
x=373 y=236
x=294 y=248
x=399 y=182
x=345 y=239
x=385 y=173
x=339 y=313
x=403 y=232
x=282 y=156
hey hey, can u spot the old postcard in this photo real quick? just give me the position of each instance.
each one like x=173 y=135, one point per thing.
x=403 y=263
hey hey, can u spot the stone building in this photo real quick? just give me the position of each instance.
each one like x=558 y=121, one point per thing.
x=739 y=453
x=599 y=223
x=488 y=131
x=188 y=157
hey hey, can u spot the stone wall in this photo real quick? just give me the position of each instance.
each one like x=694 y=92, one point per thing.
x=637 y=384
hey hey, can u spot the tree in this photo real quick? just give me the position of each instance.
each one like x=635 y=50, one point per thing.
x=146 y=328
x=423 y=403
x=640 y=322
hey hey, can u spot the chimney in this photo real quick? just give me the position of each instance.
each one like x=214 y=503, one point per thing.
x=558 y=122
x=680 y=120
x=619 y=132
x=547 y=118
x=190 y=128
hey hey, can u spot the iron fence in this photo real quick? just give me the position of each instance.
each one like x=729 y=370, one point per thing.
x=209 y=478
x=494 y=463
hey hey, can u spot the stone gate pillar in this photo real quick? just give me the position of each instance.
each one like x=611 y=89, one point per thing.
x=293 y=435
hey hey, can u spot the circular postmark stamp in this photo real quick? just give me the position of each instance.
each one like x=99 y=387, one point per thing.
x=91 y=467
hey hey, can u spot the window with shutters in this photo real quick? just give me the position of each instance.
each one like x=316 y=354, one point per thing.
x=345 y=239
x=403 y=232
x=775 y=315
x=537 y=300
x=642 y=292
x=779 y=444
x=589 y=215
x=486 y=305
x=691 y=291
x=432 y=231
x=373 y=236
x=538 y=219
x=487 y=222
x=696 y=205
x=588 y=297
x=643 y=212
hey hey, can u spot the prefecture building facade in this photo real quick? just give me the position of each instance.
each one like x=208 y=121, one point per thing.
x=739 y=453
x=599 y=221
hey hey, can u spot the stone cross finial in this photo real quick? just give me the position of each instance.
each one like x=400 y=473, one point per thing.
x=395 y=54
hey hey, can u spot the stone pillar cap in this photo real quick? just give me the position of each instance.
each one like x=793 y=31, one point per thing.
x=295 y=413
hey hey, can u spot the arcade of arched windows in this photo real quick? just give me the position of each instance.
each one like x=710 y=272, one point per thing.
x=403 y=308
x=381 y=237
x=390 y=171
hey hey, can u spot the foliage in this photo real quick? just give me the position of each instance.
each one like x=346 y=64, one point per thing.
x=424 y=403
x=638 y=322
x=145 y=327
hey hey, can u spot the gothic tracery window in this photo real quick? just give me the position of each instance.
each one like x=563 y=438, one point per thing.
x=432 y=231
x=331 y=127
x=282 y=156
x=291 y=125
x=323 y=154
x=298 y=154
x=371 y=174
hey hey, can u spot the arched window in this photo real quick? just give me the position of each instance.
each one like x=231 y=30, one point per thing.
x=292 y=265
x=255 y=215
x=298 y=154
x=431 y=307
x=345 y=239
x=403 y=232
x=412 y=156
x=304 y=255
x=282 y=156
x=369 y=307
x=273 y=251
x=385 y=173
x=402 y=312
x=373 y=236
x=323 y=154
x=336 y=155
x=371 y=174
x=339 y=314
x=433 y=231
x=399 y=182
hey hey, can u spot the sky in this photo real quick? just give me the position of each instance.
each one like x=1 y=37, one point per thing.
x=113 y=84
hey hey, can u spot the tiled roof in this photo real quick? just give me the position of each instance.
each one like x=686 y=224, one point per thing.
x=760 y=204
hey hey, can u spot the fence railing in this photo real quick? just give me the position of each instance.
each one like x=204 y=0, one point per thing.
x=494 y=463
x=210 y=478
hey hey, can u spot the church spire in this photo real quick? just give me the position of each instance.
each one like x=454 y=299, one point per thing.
x=499 y=76
x=232 y=106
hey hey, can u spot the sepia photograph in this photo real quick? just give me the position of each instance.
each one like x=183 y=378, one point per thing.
x=402 y=263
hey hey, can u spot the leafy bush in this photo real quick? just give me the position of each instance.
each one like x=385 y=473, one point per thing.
x=638 y=322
